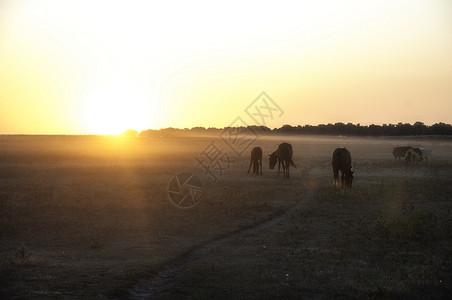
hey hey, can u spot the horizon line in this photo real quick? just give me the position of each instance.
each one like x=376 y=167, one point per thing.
x=222 y=128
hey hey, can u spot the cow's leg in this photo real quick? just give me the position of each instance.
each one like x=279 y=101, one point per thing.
x=407 y=157
x=251 y=161
x=284 y=169
x=343 y=179
x=279 y=166
x=335 y=177
x=287 y=167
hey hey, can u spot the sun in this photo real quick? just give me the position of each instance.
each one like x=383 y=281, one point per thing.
x=114 y=108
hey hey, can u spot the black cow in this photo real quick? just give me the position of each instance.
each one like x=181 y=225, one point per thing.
x=342 y=161
x=282 y=155
x=400 y=152
x=256 y=161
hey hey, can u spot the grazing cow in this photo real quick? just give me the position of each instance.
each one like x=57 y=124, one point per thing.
x=400 y=152
x=423 y=153
x=411 y=155
x=256 y=161
x=282 y=155
x=342 y=161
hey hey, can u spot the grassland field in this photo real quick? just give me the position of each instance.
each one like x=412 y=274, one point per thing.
x=89 y=217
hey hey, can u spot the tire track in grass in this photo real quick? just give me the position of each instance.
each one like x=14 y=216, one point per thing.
x=151 y=288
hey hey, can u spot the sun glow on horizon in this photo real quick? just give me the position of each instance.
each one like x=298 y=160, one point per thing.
x=113 y=107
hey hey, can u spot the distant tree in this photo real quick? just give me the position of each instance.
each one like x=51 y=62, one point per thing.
x=419 y=128
x=339 y=128
x=404 y=129
x=349 y=129
x=170 y=131
x=440 y=129
x=149 y=133
x=198 y=129
x=389 y=129
x=130 y=133
x=287 y=129
x=375 y=130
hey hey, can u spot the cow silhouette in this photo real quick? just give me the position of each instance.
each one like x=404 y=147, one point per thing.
x=256 y=161
x=400 y=152
x=342 y=161
x=282 y=155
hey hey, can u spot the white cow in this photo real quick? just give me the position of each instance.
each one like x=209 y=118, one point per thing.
x=426 y=153
x=418 y=153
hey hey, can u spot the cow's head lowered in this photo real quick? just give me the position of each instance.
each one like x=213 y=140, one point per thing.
x=348 y=177
x=273 y=158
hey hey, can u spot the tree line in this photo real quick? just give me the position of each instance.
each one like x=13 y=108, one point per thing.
x=337 y=129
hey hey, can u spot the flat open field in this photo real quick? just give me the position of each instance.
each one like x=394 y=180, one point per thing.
x=87 y=217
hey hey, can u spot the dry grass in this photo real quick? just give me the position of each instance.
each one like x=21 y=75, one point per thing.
x=85 y=217
x=387 y=238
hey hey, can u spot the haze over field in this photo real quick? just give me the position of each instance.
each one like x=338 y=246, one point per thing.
x=77 y=67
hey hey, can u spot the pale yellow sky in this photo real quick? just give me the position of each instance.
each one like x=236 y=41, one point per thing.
x=104 y=66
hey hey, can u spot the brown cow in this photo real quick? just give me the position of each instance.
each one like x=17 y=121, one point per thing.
x=256 y=161
x=400 y=152
x=282 y=155
x=342 y=161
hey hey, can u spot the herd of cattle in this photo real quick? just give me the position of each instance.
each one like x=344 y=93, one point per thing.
x=341 y=161
x=412 y=153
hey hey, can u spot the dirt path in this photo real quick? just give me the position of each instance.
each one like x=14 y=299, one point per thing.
x=151 y=288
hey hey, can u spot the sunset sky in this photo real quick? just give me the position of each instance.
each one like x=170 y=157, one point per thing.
x=101 y=67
